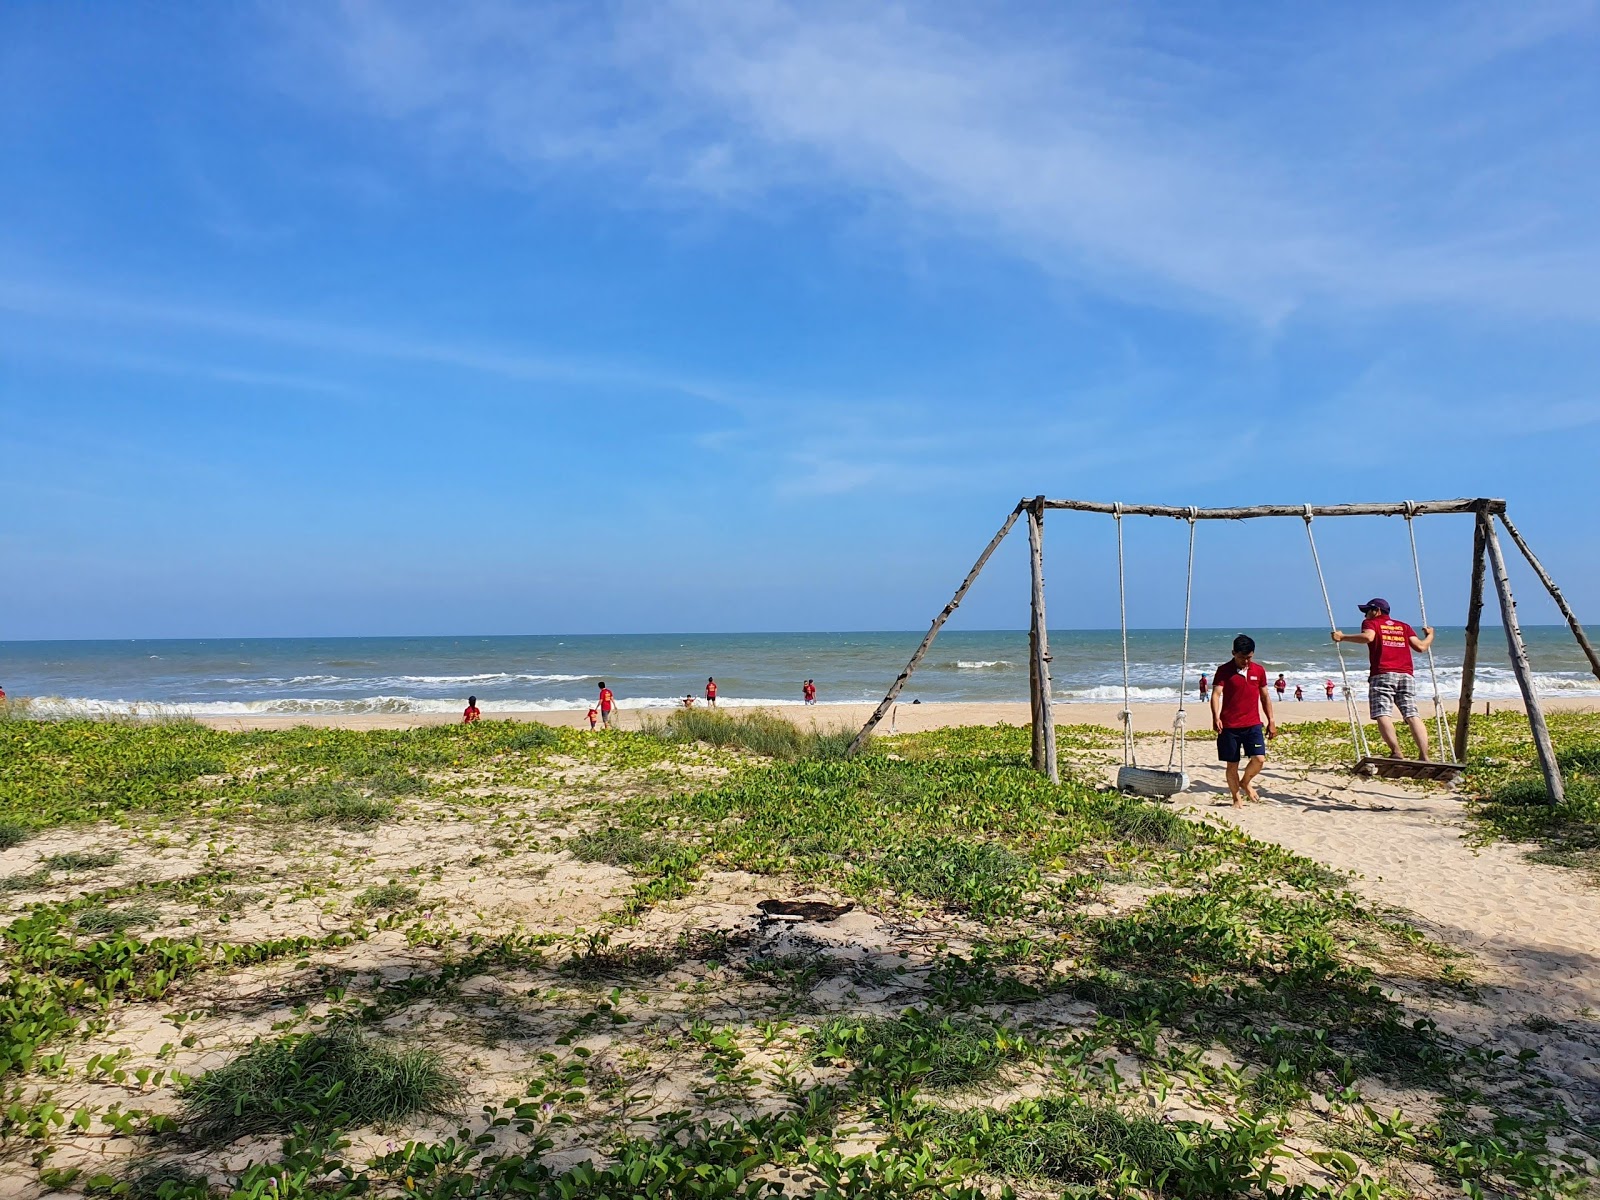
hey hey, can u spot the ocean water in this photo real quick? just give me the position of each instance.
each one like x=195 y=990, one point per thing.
x=436 y=674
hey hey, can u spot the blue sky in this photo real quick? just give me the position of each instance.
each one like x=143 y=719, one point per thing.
x=691 y=315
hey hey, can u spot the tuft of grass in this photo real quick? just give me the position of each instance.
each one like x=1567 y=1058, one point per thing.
x=619 y=847
x=979 y=877
x=31 y=882
x=919 y=1049
x=1147 y=824
x=330 y=803
x=387 y=896
x=80 y=860
x=12 y=833
x=1075 y=1141
x=98 y=918
x=334 y=1078
x=522 y=736
x=756 y=730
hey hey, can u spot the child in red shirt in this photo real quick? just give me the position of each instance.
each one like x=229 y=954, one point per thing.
x=1239 y=692
x=594 y=715
x=471 y=714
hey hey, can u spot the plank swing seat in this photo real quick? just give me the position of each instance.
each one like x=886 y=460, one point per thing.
x=1386 y=767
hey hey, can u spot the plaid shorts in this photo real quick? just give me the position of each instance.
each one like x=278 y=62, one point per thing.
x=1390 y=691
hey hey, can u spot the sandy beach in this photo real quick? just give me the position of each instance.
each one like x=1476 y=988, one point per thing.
x=904 y=718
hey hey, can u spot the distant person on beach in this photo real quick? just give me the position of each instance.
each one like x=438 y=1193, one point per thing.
x=1237 y=700
x=1329 y=686
x=688 y=700
x=1205 y=686
x=1299 y=692
x=608 y=703
x=711 y=692
x=809 y=691
x=1280 y=684
x=471 y=713
x=1391 y=682
x=594 y=717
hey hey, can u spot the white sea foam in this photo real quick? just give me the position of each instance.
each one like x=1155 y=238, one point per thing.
x=982 y=664
x=88 y=706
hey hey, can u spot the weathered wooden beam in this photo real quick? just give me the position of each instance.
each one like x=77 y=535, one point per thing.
x=1469 y=655
x=933 y=631
x=1420 y=508
x=1044 y=720
x=1522 y=668
x=1555 y=594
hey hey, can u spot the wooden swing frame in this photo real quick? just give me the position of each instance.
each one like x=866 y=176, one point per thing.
x=1486 y=557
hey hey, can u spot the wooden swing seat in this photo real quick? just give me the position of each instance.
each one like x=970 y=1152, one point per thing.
x=1385 y=767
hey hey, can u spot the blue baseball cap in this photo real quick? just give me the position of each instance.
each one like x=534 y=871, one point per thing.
x=1377 y=602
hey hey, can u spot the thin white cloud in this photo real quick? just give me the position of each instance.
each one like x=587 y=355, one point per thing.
x=1254 y=174
x=47 y=301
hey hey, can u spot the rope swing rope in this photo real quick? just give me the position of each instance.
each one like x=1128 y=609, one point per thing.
x=1128 y=756
x=1358 y=732
x=1422 y=617
x=1181 y=720
x=1176 y=749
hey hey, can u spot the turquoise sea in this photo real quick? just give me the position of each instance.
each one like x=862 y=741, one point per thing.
x=226 y=676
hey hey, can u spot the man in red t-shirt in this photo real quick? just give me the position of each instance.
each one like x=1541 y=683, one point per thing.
x=608 y=702
x=1239 y=692
x=1391 y=683
x=711 y=692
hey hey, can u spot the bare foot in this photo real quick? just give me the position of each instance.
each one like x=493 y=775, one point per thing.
x=1250 y=790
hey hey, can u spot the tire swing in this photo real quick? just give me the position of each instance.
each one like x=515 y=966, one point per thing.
x=1382 y=765
x=1131 y=777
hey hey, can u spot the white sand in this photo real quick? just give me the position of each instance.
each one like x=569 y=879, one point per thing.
x=1532 y=932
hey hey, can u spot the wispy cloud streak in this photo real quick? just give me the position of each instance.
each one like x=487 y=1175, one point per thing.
x=1376 y=162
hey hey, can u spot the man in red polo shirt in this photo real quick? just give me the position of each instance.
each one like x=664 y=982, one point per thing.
x=1239 y=692
x=1391 y=683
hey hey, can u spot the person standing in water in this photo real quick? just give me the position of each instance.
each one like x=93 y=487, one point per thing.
x=1299 y=692
x=1392 y=681
x=1280 y=685
x=809 y=691
x=711 y=692
x=1205 y=685
x=1329 y=687
x=1238 y=697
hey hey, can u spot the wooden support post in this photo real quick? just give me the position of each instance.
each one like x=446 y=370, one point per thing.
x=1035 y=723
x=938 y=623
x=1044 y=720
x=1521 y=666
x=1555 y=594
x=1469 y=655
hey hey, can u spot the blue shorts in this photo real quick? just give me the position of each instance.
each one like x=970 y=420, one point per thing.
x=1251 y=741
